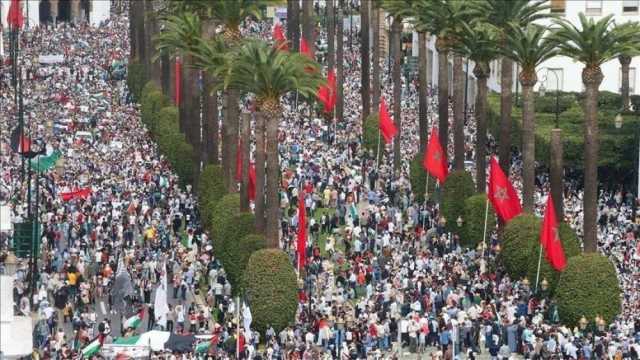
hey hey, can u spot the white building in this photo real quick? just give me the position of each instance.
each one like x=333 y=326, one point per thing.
x=568 y=71
x=41 y=11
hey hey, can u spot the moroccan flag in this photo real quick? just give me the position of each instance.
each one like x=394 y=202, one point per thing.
x=239 y=161
x=387 y=127
x=251 y=191
x=14 y=15
x=302 y=231
x=327 y=94
x=502 y=194
x=134 y=321
x=550 y=239
x=435 y=159
x=79 y=193
x=304 y=49
x=279 y=38
x=178 y=81
x=93 y=347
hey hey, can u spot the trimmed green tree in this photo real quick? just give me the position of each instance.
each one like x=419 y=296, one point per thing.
x=370 y=133
x=210 y=190
x=235 y=255
x=223 y=211
x=136 y=78
x=473 y=225
x=457 y=188
x=271 y=289
x=588 y=287
x=520 y=235
x=418 y=179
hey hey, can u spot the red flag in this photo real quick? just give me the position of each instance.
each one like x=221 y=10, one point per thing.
x=251 y=191
x=78 y=193
x=304 y=49
x=502 y=194
x=25 y=145
x=239 y=161
x=279 y=38
x=435 y=159
x=327 y=94
x=387 y=127
x=302 y=231
x=14 y=15
x=550 y=239
x=178 y=81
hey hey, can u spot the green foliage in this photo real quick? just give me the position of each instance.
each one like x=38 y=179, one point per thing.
x=235 y=254
x=370 y=133
x=473 y=225
x=211 y=189
x=271 y=289
x=136 y=78
x=173 y=144
x=418 y=179
x=457 y=188
x=520 y=236
x=547 y=103
x=588 y=286
x=571 y=246
x=151 y=103
x=222 y=213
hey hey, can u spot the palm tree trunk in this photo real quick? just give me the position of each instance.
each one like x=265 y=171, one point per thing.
x=139 y=31
x=261 y=157
x=396 y=29
x=340 y=63
x=165 y=74
x=230 y=142
x=458 y=113
x=150 y=32
x=210 y=121
x=331 y=33
x=132 y=32
x=365 y=90
x=273 y=181
x=293 y=25
x=556 y=172
x=245 y=133
x=307 y=23
x=172 y=79
x=375 y=81
x=423 y=101
x=591 y=77
x=481 y=129
x=192 y=112
x=528 y=146
x=443 y=99
x=504 y=146
x=625 y=61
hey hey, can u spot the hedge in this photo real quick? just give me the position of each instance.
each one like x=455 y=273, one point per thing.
x=271 y=289
x=232 y=230
x=473 y=225
x=520 y=235
x=173 y=144
x=210 y=189
x=370 y=133
x=418 y=176
x=151 y=103
x=588 y=287
x=457 y=188
x=222 y=212
x=236 y=255
x=571 y=247
x=136 y=78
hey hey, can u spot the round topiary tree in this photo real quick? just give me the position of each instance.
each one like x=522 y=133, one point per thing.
x=571 y=247
x=370 y=133
x=271 y=288
x=232 y=230
x=136 y=78
x=418 y=178
x=473 y=220
x=210 y=190
x=151 y=103
x=588 y=287
x=236 y=255
x=519 y=237
x=222 y=212
x=457 y=188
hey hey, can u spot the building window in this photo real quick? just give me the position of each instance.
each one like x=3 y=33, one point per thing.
x=630 y=6
x=632 y=80
x=553 y=83
x=558 y=6
x=594 y=7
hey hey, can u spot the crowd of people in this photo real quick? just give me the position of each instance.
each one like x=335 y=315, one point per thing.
x=383 y=278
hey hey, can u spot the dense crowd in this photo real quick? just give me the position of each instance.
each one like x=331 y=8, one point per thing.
x=383 y=277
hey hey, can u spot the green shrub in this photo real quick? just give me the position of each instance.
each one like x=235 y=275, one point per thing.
x=173 y=144
x=151 y=103
x=473 y=225
x=519 y=237
x=588 y=287
x=418 y=178
x=547 y=103
x=457 y=188
x=232 y=230
x=210 y=190
x=370 y=134
x=182 y=162
x=571 y=247
x=136 y=78
x=236 y=255
x=271 y=289
x=223 y=211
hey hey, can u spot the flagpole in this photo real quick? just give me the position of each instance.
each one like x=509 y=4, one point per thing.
x=538 y=272
x=238 y=327
x=484 y=233
x=426 y=189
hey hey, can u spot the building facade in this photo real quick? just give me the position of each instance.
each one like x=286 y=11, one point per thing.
x=38 y=12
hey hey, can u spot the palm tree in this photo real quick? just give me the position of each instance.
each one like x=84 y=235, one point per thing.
x=308 y=22
x=479 y=43
x=365 y=63
x=331 y=34
x=529 y=48
x=625 y=61
x=293 y=23
x=375 y=64
x=260 y=69
x=593 y=43
x=504 y=15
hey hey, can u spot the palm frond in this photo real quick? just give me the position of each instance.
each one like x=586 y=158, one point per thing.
x=180 y=35
x=529 y=46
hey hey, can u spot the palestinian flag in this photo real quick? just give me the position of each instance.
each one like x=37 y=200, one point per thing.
x=93 y=347
x=134 y=321
x=203 y=347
